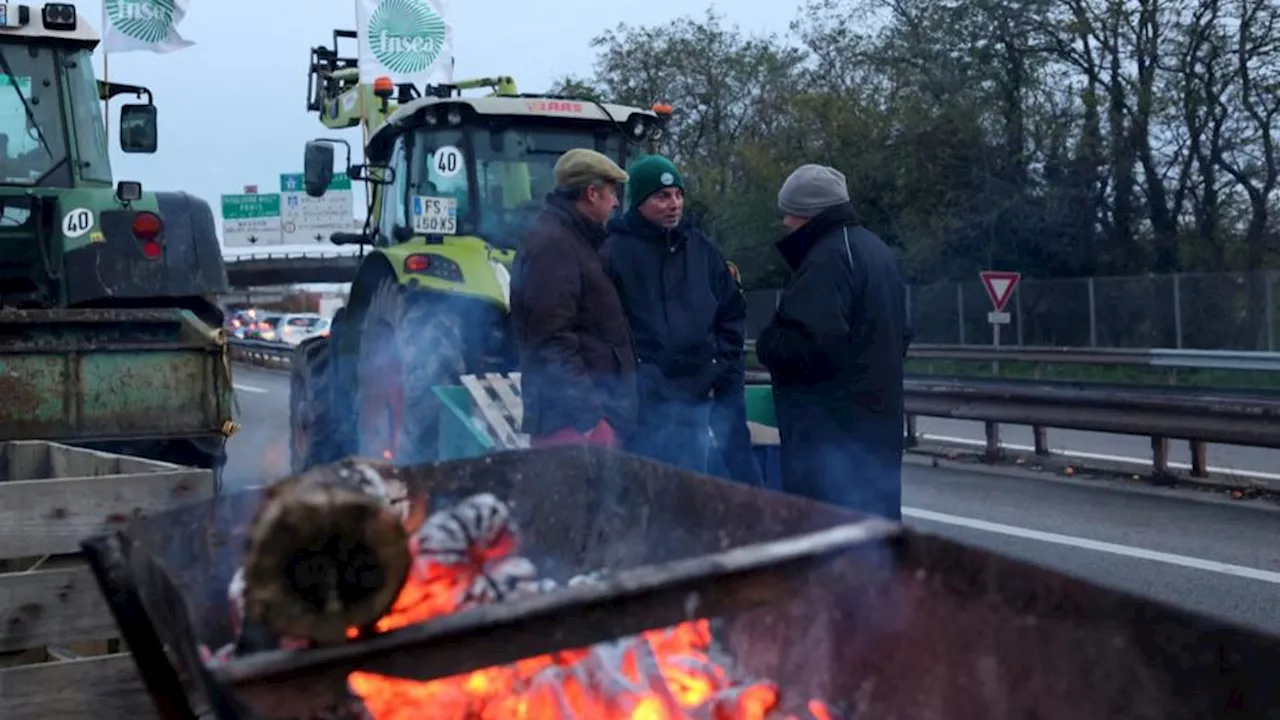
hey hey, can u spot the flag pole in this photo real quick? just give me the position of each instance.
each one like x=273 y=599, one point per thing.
x=364 y=126
x=106 y=76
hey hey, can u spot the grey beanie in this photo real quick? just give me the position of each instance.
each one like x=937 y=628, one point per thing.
x=811 y=189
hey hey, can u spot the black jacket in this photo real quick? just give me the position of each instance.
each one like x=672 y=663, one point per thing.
x=835 y=349
x=687 y=315
x=576 y=360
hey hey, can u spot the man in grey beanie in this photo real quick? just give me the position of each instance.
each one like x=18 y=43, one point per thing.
x=835 y=350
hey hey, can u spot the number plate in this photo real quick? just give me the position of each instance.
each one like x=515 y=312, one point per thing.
x=435 y=215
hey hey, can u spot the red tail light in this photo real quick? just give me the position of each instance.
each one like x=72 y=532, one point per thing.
x=147 y=228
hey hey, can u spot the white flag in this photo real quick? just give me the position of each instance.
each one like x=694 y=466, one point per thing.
x=150 y=25
x=410 y=41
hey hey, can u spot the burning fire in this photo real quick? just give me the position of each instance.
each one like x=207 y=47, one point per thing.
x=468 y=555
x=465 y=556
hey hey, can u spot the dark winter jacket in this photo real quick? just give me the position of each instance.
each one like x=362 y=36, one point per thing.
x=835 y=349
x=576 y=356
x=687 y=316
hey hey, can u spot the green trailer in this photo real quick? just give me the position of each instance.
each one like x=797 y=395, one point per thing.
x=154 y=382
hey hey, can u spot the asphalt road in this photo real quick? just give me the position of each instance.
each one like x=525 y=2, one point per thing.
x=1202 y=553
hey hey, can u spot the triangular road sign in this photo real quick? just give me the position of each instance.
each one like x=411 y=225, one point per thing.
x=1000 y=286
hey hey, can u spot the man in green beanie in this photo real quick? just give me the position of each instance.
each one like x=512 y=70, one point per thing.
x=687 y=318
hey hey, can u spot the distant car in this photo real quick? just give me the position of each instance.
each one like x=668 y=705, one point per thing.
x=265 y=328
x=295 y=328
x=239 y=322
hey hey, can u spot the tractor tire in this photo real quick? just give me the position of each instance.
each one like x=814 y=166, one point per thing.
x=407 y=346
x=318 y=430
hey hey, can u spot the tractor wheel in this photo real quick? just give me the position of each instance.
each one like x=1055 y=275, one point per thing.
x=406 y=348
x=316 y=426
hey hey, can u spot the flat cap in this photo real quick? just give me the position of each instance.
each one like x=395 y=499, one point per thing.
x=811 y=189
x=580 y=167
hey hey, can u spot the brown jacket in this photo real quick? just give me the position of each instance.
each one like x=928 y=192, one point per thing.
x=577 y=361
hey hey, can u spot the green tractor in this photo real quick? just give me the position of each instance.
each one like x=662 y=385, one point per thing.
x=110 y=328
x=456 y=181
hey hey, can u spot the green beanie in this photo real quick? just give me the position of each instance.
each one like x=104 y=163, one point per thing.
x=649 y=174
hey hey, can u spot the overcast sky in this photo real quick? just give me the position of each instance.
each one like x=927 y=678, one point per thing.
x=232 y=107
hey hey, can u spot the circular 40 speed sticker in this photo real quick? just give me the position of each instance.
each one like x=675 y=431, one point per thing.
x=448 y=161
x=77 y=222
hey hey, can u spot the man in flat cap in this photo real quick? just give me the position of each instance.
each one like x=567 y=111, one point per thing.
x=835 y=349
x=576 y=358
x=688 y=319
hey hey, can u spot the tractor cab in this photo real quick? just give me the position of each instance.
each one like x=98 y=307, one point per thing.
x=55 y=167
x=51 y=124
x=454 y=166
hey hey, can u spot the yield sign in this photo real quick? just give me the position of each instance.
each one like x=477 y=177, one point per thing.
x=1000 y=285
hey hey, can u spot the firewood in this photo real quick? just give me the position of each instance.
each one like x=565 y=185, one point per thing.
x=327 y=551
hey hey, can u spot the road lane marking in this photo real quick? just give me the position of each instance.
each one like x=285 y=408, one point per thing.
x=1081 y=455
x=1095 y=545
x=250 y=388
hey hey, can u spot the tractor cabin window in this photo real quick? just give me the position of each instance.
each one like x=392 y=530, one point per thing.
x=440 y=170
x=33 y=140
x=515 y=172
x=86 y=117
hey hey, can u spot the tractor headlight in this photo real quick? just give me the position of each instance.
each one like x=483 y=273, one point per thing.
x=638 y=126
x=59 y=16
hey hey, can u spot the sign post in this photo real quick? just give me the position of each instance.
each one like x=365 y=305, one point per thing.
x=1000 y=286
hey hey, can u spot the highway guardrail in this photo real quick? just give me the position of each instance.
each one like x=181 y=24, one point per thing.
x=1198 y=416
x=261 y=352
x=1237 y=360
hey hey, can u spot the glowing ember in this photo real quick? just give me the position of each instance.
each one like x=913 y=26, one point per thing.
x=658 y=675
x=466 y=556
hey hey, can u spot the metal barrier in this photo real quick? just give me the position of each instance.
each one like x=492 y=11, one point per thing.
x=261 y=352
x=1234 y=360
x=1161 y=413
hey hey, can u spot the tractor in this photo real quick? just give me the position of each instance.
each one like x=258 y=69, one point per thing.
x=454 y=183
x=110 y=328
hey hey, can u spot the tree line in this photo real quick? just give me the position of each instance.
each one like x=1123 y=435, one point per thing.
x=1062 y=138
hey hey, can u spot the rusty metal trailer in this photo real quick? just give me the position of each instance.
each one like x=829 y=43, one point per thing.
x=144 y=382
x=878 y=620
x=60 y=651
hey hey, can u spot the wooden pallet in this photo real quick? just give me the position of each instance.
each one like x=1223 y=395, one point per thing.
x=60 y=653
x=499 y=408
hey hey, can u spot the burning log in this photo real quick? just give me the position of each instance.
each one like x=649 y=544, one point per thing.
x=328 y=550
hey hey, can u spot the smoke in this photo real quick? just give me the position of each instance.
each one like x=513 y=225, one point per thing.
x=627 y=513
x=384 y=404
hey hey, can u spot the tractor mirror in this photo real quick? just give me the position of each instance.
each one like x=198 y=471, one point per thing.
x=138 y=130
x=317 y=167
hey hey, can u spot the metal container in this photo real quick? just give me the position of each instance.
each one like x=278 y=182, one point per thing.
x=879 y=620
x=112 y=375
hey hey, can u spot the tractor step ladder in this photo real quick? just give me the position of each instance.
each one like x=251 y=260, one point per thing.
x=499 y=407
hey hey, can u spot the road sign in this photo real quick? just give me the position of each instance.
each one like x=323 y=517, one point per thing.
x=999 y=318
x=309 y=220
x=1000 y=286
x=251 y=220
